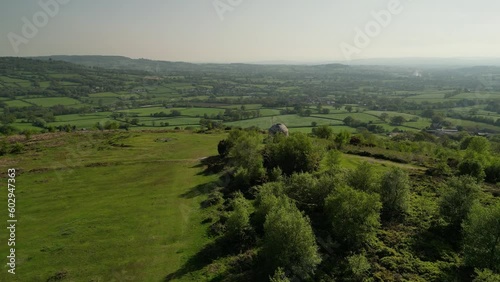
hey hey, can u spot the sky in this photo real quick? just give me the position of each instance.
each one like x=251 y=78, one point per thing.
x=251 y=30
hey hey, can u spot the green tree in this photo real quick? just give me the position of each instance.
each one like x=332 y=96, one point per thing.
x=324 y=132
x=348 y=108
x=238 y=222
x=492 y=172
x=486 y=275
x=7 y=119
x=479 y=144
x=398 y=120
x=482 y=237
x=457 y=199
x=39 y=122
x=348 y=120
x=304 y=189
x=289 y=240
x=342 y=138
x=395 y=193
x=135 y=121
x=296 y=153
x=279 y=276
x=333 y=158
x=245 y=154
x=267 y=198
x=363 y=178
x=359 y=267
x=354 y=216
x=473 y=168
x=175 y=113
x=223 y=148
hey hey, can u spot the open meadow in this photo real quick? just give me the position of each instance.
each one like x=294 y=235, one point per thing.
x=109 y=207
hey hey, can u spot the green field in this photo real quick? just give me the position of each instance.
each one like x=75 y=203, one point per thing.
x=172 y=121
x=193 y=112
x=13 y=81
x=290 y=120
x=52 y=101
x=336 y=129
x=17 y=103
x=75 y=219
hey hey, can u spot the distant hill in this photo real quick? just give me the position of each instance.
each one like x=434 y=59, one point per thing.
x=428 y=62
x=120 y=62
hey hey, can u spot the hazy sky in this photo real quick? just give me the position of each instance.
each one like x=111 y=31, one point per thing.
x=252 y=30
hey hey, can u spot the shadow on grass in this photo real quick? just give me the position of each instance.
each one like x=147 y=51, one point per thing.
x=209 y=253
x=213 y=165
x=220 y=248
x=198 y=190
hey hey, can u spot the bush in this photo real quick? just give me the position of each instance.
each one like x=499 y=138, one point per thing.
x=17 y=148
x=223 y=148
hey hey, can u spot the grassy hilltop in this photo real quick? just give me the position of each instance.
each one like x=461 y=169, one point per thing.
x=109 y=207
